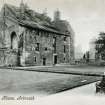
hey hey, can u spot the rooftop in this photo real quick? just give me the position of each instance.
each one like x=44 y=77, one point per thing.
x=31 y=19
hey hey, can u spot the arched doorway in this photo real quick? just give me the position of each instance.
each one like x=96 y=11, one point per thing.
x=14 y=41
x=15 y=48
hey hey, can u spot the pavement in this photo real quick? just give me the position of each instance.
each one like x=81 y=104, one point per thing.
x=84 y=95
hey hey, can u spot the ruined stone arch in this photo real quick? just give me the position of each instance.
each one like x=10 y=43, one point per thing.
x=14 y=40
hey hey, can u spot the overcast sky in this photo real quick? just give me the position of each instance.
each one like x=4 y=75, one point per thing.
x=87 y=17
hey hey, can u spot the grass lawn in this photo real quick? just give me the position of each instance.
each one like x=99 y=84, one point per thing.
x=27 y=82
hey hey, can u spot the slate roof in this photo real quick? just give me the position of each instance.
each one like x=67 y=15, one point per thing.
x=31 y=19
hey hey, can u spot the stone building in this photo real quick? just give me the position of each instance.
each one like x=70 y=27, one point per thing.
x=29 y=38
x=92 y=50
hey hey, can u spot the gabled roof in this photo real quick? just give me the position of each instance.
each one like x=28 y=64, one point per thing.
x=31 y=19
x=29 y=14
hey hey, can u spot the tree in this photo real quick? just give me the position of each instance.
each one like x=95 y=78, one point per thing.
x=100 y=45
x=84 y=57
x=87 y=56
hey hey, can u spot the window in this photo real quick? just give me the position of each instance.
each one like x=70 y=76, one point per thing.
x=37 y=46
x=64 y=48
x=37 y=32
x=34 y=37
x=65 y=38
x=54 y=44
x=35 y=59
x=45 y=48
x=67 y=32
x=54 y=40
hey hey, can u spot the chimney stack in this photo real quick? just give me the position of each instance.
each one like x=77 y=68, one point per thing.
x=57 y=15
x=22 y=10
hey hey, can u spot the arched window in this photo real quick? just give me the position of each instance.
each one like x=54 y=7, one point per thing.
x=14 y=41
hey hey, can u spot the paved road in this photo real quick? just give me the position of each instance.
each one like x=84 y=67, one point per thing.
x=89 y=89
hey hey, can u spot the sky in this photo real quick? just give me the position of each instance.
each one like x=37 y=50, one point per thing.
x=87 y=17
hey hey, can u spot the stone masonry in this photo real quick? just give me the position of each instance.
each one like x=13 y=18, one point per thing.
x=28 y=38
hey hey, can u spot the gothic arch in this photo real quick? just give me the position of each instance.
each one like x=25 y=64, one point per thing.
x=14 y=40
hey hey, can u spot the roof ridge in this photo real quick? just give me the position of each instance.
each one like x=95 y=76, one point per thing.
x=42 y=23
x=7 y=4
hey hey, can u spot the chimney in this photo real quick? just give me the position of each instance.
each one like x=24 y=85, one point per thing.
x=22 y=10
x=57 y=15
x=45 y=11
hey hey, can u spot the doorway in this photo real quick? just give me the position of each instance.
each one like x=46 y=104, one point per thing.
x=55 y=59
x=44 y=61
x=14 y=46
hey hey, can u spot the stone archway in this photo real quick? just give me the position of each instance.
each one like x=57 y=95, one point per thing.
x=15 y=49
x=14 y=41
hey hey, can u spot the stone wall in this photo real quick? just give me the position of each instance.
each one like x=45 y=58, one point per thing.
x=2 y=57
x=45 y=47
x=34 y=46
x=31 y=37
x=63 y=57
x=11 y=58
x=45 y=40
x=66 y=28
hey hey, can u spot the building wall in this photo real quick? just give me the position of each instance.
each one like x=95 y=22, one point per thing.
x=45 y=41
x=46 y=50
x=63 y=57
x=10 y=54
x=2 y=57
x=27 y=54
x=66 y=28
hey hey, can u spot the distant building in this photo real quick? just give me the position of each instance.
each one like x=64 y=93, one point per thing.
x=78 y=52
x=30 y=38
x=92 y=50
